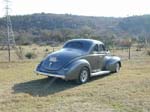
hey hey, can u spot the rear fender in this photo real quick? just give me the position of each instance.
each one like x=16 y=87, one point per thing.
x=74 y=68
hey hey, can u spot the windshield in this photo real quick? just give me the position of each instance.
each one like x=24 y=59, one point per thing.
x=80 y=45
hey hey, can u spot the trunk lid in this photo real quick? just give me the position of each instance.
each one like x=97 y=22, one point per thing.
x=57 y=60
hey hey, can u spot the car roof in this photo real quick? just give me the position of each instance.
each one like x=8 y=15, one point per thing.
x=87 y=40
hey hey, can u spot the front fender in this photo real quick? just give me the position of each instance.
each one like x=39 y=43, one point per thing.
x=74 y=68
x=110 y=62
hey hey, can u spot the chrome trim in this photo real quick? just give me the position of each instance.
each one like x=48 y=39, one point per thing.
x=100 y=73
x=47 y=74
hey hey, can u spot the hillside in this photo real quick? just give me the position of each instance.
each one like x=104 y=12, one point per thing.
x=46 y=28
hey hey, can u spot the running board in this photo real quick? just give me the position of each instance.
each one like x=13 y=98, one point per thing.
x=100 y=73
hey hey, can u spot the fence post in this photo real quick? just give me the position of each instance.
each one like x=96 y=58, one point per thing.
x=129 y=57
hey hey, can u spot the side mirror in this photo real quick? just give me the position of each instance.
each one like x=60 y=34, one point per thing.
x=107 y=52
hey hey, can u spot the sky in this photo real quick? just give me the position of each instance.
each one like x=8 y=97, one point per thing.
x=107 y=8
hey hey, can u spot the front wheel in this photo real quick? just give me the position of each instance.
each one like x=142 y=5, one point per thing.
x=83 y=76
x=117 y=68
x=49 y=77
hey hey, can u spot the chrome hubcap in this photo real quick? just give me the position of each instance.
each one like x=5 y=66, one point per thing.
x=84 y=76
x=117 y=67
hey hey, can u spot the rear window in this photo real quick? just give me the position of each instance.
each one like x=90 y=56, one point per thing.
x=76 y=45
x=80 y=45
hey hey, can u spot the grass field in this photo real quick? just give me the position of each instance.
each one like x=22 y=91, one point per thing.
x=127 y=91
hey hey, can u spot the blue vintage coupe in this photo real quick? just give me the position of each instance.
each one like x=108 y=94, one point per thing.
x=79 y=59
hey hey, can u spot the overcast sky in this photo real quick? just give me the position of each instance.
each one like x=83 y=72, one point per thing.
x=115 y=8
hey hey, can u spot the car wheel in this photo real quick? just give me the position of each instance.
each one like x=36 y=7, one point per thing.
x=49 y=77
x=117 y=67
x=83 y=76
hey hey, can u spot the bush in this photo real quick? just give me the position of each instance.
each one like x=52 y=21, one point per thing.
x=46 y=50
x=30 y=55
x=148 y=52
x=20 y=52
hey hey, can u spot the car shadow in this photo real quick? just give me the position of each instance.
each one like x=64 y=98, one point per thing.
x=43 y=87
x=46 y=86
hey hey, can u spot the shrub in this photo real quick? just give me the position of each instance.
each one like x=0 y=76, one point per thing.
x=148 y=52
x=30 y=55
x=46 y=50
x=19 y=52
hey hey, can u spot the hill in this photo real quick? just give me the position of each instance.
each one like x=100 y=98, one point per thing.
x=47 y=28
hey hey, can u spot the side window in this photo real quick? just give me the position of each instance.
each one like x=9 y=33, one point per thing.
x=96 y=49
x=101 y=48
x=104 y=49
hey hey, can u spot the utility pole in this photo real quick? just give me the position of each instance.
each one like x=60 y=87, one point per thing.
x=10 y=34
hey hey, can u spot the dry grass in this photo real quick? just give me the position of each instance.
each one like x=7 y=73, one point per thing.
x=127 y=91
x=41 y=52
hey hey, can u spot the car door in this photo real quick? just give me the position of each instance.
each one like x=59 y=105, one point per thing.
x=93 y=59
x=101 y=55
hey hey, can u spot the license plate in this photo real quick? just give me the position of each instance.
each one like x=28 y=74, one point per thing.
x=53 y=59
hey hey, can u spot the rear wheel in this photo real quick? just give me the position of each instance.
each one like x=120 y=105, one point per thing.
x=83 y=76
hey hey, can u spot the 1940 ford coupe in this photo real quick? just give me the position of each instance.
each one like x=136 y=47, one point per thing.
x=79 y=59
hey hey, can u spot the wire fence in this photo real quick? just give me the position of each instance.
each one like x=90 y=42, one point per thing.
x=40 y=52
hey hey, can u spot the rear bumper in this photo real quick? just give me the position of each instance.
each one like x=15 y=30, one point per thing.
x=48 y=74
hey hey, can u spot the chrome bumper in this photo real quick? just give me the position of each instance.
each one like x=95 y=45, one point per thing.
x=52 y=75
